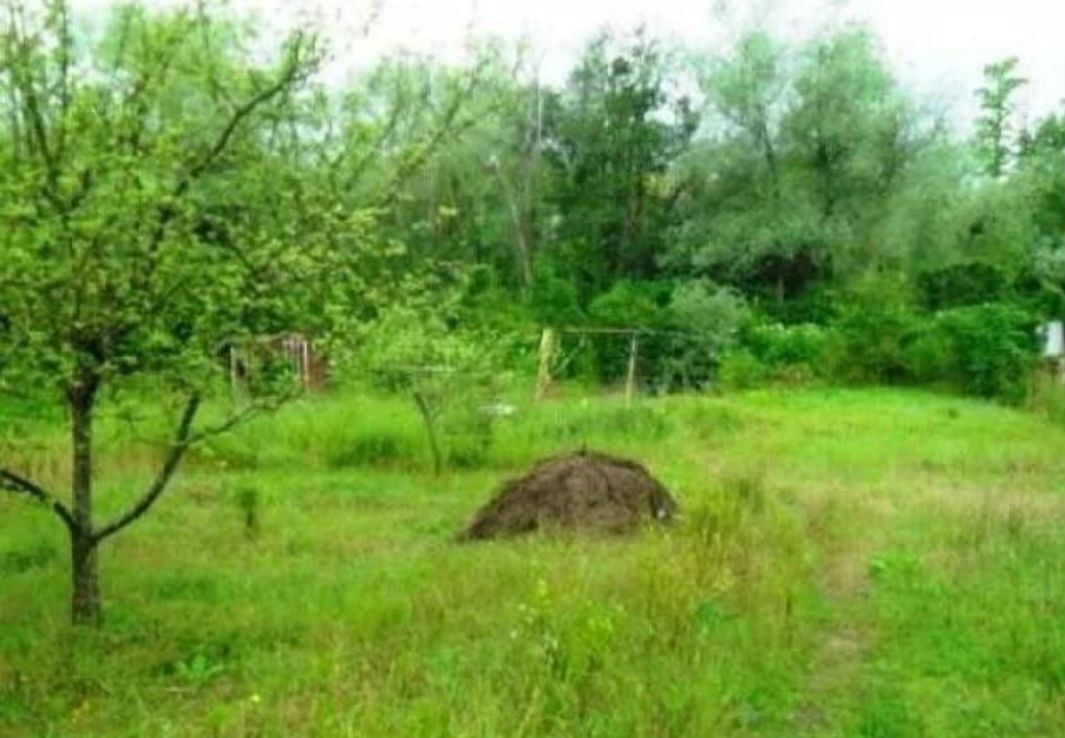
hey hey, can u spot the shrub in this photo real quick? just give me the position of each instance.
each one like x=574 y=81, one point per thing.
x=772 y=352
x=876 y=324
x=626 y=305
x=814 y=304
x=742 y=370
x=779 y=345
x=972 y=283
x=986 y=350
x=446 y=371
x=554 y=296
x=704 y=322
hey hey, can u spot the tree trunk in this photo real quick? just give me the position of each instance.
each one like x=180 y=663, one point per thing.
x=429 y=418
x=85 y=601
x=522 y=257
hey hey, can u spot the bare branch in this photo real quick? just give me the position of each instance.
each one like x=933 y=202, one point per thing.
x=15 y=483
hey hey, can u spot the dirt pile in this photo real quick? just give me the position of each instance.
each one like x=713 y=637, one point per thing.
x=585 y=491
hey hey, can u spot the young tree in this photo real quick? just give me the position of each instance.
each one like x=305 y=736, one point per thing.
x=788 y=186
x=148 y=218
x=749 y=219
x=612 y=137
x=1042 y=169
x=448 y=370
x=849 y=142
x=994 y=129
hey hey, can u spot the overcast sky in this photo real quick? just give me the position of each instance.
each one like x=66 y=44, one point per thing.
x=937 y=47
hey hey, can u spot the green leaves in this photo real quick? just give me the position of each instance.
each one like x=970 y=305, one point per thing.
x=151 y=214
x=166 y=191
x=995 y=128
x=613 y=135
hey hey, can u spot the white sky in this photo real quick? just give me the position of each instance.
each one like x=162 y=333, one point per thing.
x=937 y=47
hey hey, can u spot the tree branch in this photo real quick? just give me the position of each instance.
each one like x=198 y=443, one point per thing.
x=21 y=80
x=177 y=450
x=184 y=439
x=449 y=126
x=15 y=483
x=357 y=171
x=229 y=423
x=296 y=69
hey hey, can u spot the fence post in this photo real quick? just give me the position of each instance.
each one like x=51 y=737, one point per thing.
x=305 y=362
x=548 y=347
x=234 y=372
x=630 y=379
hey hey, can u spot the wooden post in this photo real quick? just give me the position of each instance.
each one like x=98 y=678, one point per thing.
x=630 y=379
x=292 y=345
x=548 y=347
x=305 y=363
x=234 y=371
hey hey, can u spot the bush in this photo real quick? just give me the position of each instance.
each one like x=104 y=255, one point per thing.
x=554 y=296
x=971 y=283
x=876 y=325
x=815 y=304
x=985 y=350
x=448 y=373
x=789 y=345
x=626 y=305
x=705 y=322
x=772 y=352
x=742 y=370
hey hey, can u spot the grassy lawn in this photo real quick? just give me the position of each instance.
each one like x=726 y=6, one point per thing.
x=849 y=563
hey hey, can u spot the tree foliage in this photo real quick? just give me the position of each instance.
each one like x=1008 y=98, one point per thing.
x=156 y=210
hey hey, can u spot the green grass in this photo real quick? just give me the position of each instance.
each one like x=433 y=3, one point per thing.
x=866 y=563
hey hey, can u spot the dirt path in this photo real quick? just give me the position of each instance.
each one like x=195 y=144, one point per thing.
x=848 y=635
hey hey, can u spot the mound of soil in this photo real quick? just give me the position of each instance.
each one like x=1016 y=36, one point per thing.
x=585 y=491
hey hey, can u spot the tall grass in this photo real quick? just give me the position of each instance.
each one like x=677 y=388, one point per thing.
x=847 y=563
x=353 y=430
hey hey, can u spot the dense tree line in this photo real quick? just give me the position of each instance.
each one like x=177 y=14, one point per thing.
x=774 y=184
x=790 y=208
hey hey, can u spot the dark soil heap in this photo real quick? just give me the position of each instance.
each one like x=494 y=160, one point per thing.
x=585 y=491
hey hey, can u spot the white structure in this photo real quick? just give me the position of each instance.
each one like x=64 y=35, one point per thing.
x=1054 y=344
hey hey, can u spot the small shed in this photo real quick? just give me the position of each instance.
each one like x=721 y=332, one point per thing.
x=308 y=366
